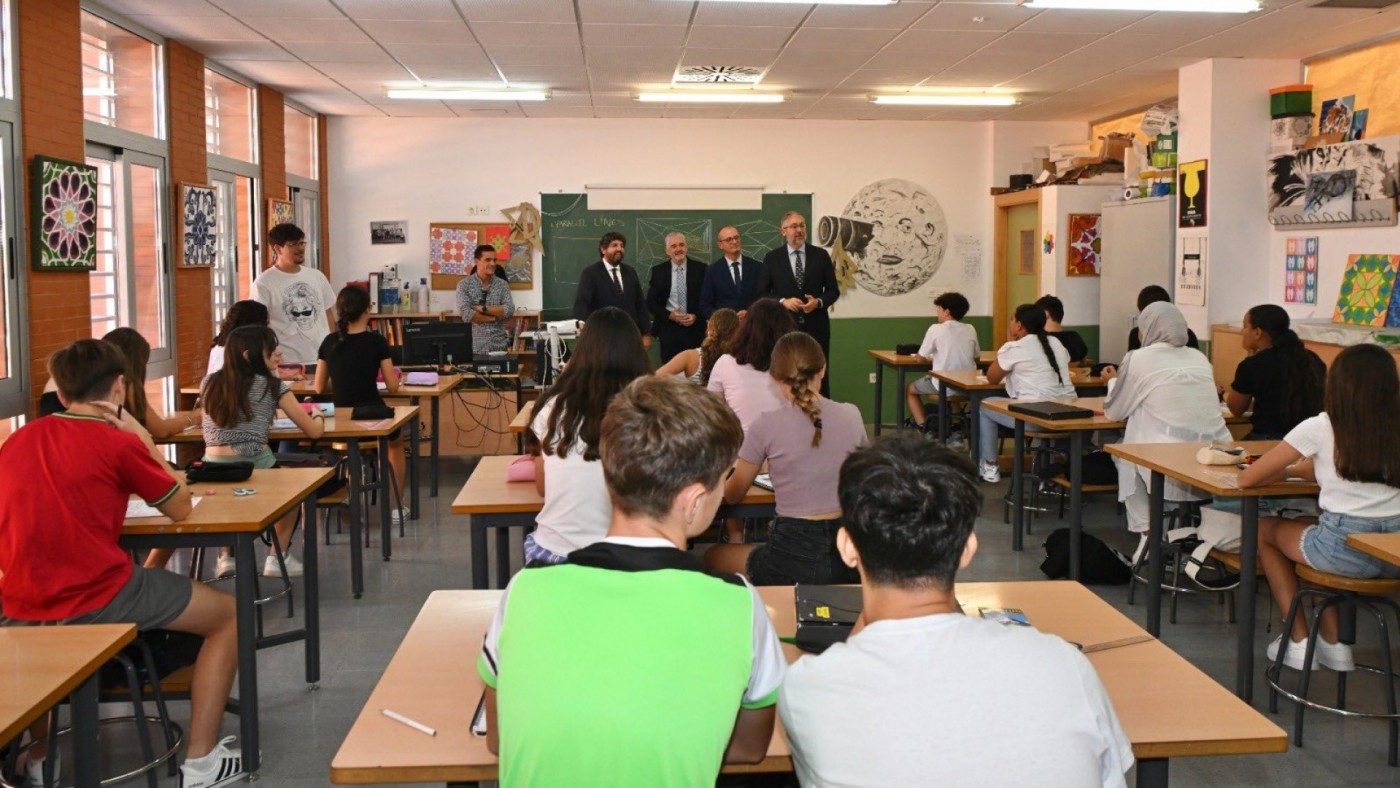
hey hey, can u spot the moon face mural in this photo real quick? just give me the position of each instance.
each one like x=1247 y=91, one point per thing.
x=907 y=232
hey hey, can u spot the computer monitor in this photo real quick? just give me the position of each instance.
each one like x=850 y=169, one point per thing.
x=436 y=343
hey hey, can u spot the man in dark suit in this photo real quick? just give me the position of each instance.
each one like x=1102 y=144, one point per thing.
x=725 y=285
x=611 y=282
x=802 y=277
x=673 y=297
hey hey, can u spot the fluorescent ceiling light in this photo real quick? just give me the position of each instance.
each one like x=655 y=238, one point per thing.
x=947 y=99
x=710 y=97
x=466 y=94
x=806 y=2
x=1194 y=6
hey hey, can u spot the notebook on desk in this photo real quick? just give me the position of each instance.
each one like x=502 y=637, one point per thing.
x=1053 y=411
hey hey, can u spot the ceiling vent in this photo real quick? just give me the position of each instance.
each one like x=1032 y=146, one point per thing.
x=727 y=74
x=1356 y=3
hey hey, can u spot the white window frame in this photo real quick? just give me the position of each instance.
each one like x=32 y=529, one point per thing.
x=222 y=160
x=162 y=106
x=14 y=258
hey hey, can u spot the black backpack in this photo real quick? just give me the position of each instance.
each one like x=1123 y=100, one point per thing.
x=1099 y=564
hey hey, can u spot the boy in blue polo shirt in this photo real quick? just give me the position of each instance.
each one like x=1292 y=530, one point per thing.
x=630 y=665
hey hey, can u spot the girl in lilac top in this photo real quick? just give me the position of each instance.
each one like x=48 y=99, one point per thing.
x=741 y=375
x=804 y=441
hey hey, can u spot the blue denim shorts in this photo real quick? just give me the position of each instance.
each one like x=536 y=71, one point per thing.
x=1324 y=546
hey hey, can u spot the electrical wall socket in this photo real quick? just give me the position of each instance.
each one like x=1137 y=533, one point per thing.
x=478 y=210
x=872 y=378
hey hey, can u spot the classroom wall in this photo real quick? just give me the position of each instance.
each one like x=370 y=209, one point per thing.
x=1079 y=293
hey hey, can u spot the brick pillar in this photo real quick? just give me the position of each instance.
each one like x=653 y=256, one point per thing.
x=51 y=79
x=189 y=163
x=273 y=151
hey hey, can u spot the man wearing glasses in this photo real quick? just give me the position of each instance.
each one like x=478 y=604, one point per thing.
x=300 y=302
x=802 y=277
x=731 y=281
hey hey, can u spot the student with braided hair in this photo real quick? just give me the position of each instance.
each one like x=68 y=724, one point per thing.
x=1280 y=380
x=1034 y=366
x=804 y=443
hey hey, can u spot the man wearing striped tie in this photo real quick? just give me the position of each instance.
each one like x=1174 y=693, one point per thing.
x=802 y=277
x=673 y=298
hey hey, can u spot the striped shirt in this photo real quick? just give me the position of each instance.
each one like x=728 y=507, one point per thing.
x=249 y=435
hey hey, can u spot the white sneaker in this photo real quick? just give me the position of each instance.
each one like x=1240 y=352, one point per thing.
x=990 y=472
x=33 y=771
x=398 y=516
x=226 y=567
x=1336 y=656
x=222 y=766
x=1293 y=657
x=271 y=569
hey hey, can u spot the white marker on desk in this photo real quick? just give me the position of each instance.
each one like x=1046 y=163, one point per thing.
x=414 y=724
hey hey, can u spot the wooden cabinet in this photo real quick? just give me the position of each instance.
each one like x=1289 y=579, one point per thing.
x=1226 y=352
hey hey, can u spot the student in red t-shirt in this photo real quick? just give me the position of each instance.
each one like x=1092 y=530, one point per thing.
x=63 y=497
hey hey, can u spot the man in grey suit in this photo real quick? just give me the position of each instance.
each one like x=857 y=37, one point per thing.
x=673 y=296
x=803 y=278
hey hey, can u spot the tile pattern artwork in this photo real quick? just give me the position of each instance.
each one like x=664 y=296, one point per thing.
x=198 y=216
x=65 y=206
x=450 y=249
x=1367 y=287
x=280 y=212
x=1083 y=253
x=1300 y=271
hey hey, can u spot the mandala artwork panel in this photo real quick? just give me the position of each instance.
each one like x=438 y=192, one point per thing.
x=1367 y=287
x=64 y=229
x=198 y=225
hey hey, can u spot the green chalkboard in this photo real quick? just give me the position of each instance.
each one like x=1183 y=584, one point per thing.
x=571 y=231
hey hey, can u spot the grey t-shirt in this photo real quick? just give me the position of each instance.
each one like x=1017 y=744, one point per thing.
x=952 y=700
x=804 y=476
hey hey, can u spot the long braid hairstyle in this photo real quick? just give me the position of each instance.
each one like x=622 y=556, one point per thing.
x=718 y=335
x=797 y=361
x=1304 y=374
x=351 y=303
x=1032 y=319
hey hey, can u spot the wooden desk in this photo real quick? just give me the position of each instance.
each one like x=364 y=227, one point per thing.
x=39 y=665
x=901 y=365
x=341 y=427
x=227 y=520
x=1383 y=546
x=975 y=385
x=492 y=502
x=521 y=422
x=1178 y=460
x=429 y=680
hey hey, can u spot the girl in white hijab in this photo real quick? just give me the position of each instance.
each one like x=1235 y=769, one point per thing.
x=1166 y=392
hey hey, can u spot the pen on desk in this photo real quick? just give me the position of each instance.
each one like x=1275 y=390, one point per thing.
x=414 y=724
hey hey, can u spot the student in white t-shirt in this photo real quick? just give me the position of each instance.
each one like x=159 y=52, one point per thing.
x=1034 y=366
x=921 y=694
x=949 y=344
x=300 y=301
x=1349 y=449
x=566 y=426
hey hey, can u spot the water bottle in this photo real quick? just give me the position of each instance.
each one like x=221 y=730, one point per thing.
x=422 y=304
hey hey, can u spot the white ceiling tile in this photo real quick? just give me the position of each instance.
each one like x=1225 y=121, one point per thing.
x=1065 y=21
x=1051 y=44
x=481 y=74
x=735 y=37
x=230 y=52
x=293 y=9
x=419 y=10
x=395 y=31
x=821 y=61
x=1194 y=24
x=386 y=71
x=549 y=76
x=549 y=109
x=552 y=11
x=964 y=16
x=209 y=28
x=919 y=43
x=438 y=55
x=690 y=111
x=535 y=56
x=611 y=35
x=888 y=17
x=634 y=57
x=343 y=53
x=287 y=30
x=638 y=111
x=524 y=34
x=172 y=7
x=757 y=14
x=643 y=12
x=284 y=74
x=757 y=58
x=829 y=39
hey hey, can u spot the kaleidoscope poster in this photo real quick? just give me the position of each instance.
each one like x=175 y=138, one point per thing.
x=64 y=223
x=1300 y=271
x=450 y=248
x=1367 y=287
x=198 y=218
x=1084 y=247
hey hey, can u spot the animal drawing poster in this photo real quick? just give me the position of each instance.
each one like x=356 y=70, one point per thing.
x=1300 y=270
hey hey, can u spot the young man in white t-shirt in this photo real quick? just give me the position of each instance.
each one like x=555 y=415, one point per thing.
x=948 y=344
x=921 y=694
x=299 y=300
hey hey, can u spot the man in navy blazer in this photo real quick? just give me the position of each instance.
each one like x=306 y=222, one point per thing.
x=724 y=287
x=611 y=282
x=676 y=320
x=811 y=297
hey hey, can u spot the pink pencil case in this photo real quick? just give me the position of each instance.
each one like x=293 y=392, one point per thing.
x=326 y=407
x=521 y=469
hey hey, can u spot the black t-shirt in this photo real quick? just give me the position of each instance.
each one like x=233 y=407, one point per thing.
x=1261 y=376
x=354 y=363
x=1078 y=351
x=1135 y=339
